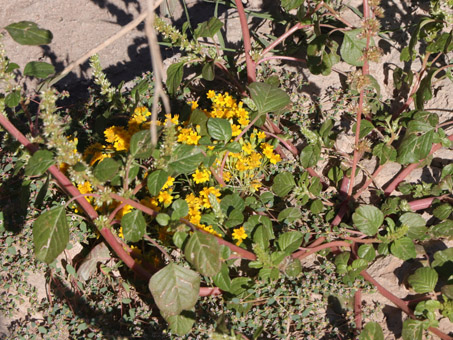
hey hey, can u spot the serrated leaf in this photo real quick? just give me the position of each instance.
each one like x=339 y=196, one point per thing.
x=28 y=33
x=155 y=181
x=203 y=252
x=365 y=128
x=140 y=145
x=352 y=47
x=415 y=147
x=423 y=280
x=372 y=331
x=385 y=153
x=174 y=289
x=341 y=262
x=99 y=253
x=174 y=77
x=368 y=219
x=134 y=226
x=180 y=209
x=310 y=155
x=415 y=223
x=106 y=169
x=38 y=69
x=289 y=214
x=268 y=98
x=290 y=241
x=412 y=330
x=50 y=234
x=219 y=129
x=181 y=324
x=443 y=211
x=39 y=163
x=403 y=248
x=442 y=256
x=208 y=28
x=186 y=158
x=12 y=99
x=367 y=252
x=283 y=184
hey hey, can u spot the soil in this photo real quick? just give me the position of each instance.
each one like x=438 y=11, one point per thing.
x=78 y=26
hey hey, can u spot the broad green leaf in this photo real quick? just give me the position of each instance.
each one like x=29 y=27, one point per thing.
x=106 y=169
x=235 y=218
x=352 y=47
x=134 y=226
x=293 y=268
x=208 y=71
x=28 y=33
x=163 y=219
x=268 y=98
x=335 y=174
x=11 y=67
x=444 y=44
x=424 y=92
x=222 y=278
x=50 y=234
x=316 y=206
x=444 y=229
x=283 y=184
x=156 y=181
x=341 y=262
x=447 y=290
x=447 y=170
x=367 y=252
x=12 y=99
x=290 y=241
x=415 y=223
x=385 y=153
x=179 y=237
x=39 y=163
x=372 y=331
x=365 y=128
x=38 y=69
x=140 y=145
x=233 y=147
x=174 y=289
x=415 y=147
x=203 y=252
x=219 y=129
x=186 y=158
x=443 y=211
x=99 y=253
x=403 y=248
x=322 y=55
x=412 y=330
x=291 y=4
x=174 y=77
x=289 y=214
x=198 y=117
x=208 y=28
x=442 y=256
x=232 y=202
x=368 y=219
x=181 y=324
x=310 y=155
x=261 y=237
x=180 y=209
x=423 y=280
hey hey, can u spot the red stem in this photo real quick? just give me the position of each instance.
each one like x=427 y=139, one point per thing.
x=358 y=309
x=251 y=66
x=280 y=39
x=304 y=253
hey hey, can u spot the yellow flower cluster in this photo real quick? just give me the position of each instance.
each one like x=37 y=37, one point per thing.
x=268 y=152
x=225 y=106
x=239 y=234
x=197 y=204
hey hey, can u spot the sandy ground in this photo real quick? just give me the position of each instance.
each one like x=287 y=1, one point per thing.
x=80 y=25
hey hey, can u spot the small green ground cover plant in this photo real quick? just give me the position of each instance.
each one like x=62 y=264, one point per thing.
x=197 y=211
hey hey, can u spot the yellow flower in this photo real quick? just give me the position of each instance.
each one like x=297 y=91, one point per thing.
x=193 y=138
x=170 y=119
x=255 y=185
x=183 y=135
x=209 y=229
x=261 y=135
x=165 y=197
x=239 y=235
x=123 y=211
x=85 y=188
x=120 y=232
x=94 y=153
x=226 y=176
x=201 y=176
x=211 y=94
x=243 y=121
x=142 y=111
x=204 y=195
x=150 y=202
x=247 y=148
x=236 y=129
x=168 y=183
x=193 y=104
x=275 y=158
x=118 y=136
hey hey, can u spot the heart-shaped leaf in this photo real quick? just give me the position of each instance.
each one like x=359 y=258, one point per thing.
x=268 y=98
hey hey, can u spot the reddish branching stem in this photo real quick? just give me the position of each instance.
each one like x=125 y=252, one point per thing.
x=251 y=66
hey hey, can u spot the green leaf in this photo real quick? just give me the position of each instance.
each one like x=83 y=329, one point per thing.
x=11 y=67
x=38 y=69
x=162 y=219
x=12 y=99
x=232 y=202
x=415 y=223
x=208 y=28
x=368 y=219
x=316 y=206
x=268 y=98
x=174 y=77
x=447 y=290
x=415 y=147
x=261 y=237
x=289 y=214
x=155 y=181
x=222 y=278
x=352 y=47
x=365 y=128
x=39 y=163
x=203 y=252
x=403 y=248
x=181 y=324
x=322 y=55
x=341 y=262
x=99 y=253
x=424 y=92
x=174 y=289
x=219 y=129
x=444 y=229
x=186 y=158
x=444 y=44
x=106 y=169
x=423 y=280
x=140 y=145
x=283 y=184
x=50 y=234
x=442 y=256
x=291 y=4
x=372 y=331
x=134 y=226
x=198 y=117
x=233 y=147
x=367 y=252
x=208 y=71
x=290 y=241
x=443 y=211
x=335 y=174
x=180 y=209
x=28 y=33
x=385 y=153
x=310 y=155
x=235 y=218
